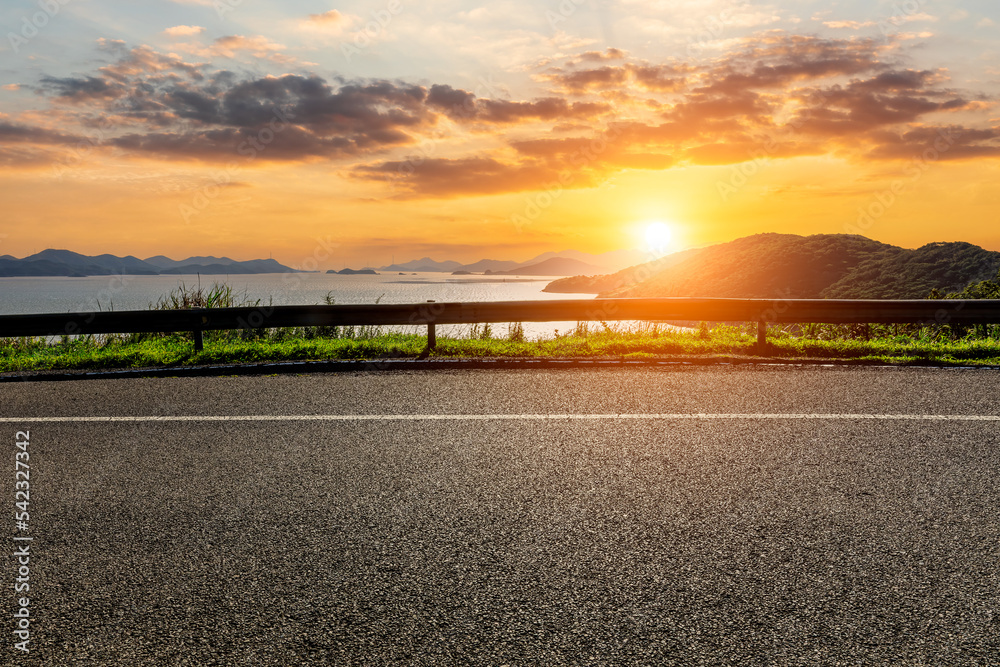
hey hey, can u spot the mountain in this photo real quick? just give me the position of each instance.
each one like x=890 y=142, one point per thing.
x=609 y=261
x=556 y=266
x=54 y=262
x=265 y=266
x=604 y=283
x=166 y=263
x=94 y=265
x=42 y=267
x=912 y=274
x=235 y=268
x=424 y=265
x=489 y=265
x=603 y=263
x=798 y=267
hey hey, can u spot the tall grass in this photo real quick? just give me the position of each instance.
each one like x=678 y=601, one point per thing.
x=219 y=295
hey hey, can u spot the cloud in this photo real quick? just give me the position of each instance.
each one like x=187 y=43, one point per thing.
x=183 y=30
x=326 y=18
x=259 y=46
x=20 y=133
x=852 y=25
x=592 y=79
x=884 y=23
x=599 y=56
x=286 y=143
x=332 y=22
x=779 y=94
x=910 y=18
x=26 y=146
x=463 y=106
x=142 y=61
x=21 y=157
x=233 y=46
x=950 y=142
x=868 y=105
x=446 y=178
x=598 y=153
x=83 y=89
x=661 y=78
x=161 y=105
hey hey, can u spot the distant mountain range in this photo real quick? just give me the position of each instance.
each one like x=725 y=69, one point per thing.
x=67 y=263
x=554 y=266
x=770 y=266
x=423 y=265
x=570 y=262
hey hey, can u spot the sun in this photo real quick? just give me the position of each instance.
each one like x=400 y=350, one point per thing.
x=658 y=236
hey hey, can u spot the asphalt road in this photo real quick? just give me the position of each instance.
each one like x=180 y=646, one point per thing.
x=744 y=539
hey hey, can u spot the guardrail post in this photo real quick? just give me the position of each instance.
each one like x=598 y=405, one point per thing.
x=761 y=335
x=431 y=333
x=199 y=338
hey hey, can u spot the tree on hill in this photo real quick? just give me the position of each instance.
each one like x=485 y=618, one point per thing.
x=984 y=289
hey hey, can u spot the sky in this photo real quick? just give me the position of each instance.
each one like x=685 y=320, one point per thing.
x=354 y=133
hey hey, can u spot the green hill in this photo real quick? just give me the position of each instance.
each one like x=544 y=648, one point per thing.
x=798 y=267
x=912 y=274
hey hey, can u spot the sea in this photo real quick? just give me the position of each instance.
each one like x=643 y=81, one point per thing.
x=25 y=295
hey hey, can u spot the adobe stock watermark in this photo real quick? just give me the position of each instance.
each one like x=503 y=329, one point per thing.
x=606 y=310
x=538 y=203
x=463 y=111
x=565 y=9
x=23 y=615
x=223 y=7
x=372 y=30
x=915 y=169
x=712 y=29
x=740 y=174
x=31 y=26
x=291 y=282
x=249 y=148
x=85 y=311
x=900 y=12
x=82 y=148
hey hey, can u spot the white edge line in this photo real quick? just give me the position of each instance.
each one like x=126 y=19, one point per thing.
x=498 y=417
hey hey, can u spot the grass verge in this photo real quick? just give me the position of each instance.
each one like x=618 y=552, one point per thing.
x=116 y=352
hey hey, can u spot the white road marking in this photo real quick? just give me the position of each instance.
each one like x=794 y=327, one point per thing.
x=501 y=417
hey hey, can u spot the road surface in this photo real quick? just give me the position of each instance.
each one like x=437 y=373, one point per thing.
x=689 y=516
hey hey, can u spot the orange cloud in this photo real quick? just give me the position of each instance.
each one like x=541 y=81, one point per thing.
x=331 y=22
x=777 y=96
x=332 y=16
x=446 y=178
x=183 y=30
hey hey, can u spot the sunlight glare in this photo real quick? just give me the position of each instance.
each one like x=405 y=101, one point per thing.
x=658 y=237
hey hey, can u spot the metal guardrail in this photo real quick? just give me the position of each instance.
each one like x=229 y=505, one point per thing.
x=762 y=311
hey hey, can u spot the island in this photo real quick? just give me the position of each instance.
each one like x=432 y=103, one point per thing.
x=355 y=272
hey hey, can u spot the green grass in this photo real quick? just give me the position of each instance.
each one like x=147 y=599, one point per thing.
x=895 y=344
x=106 y=352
